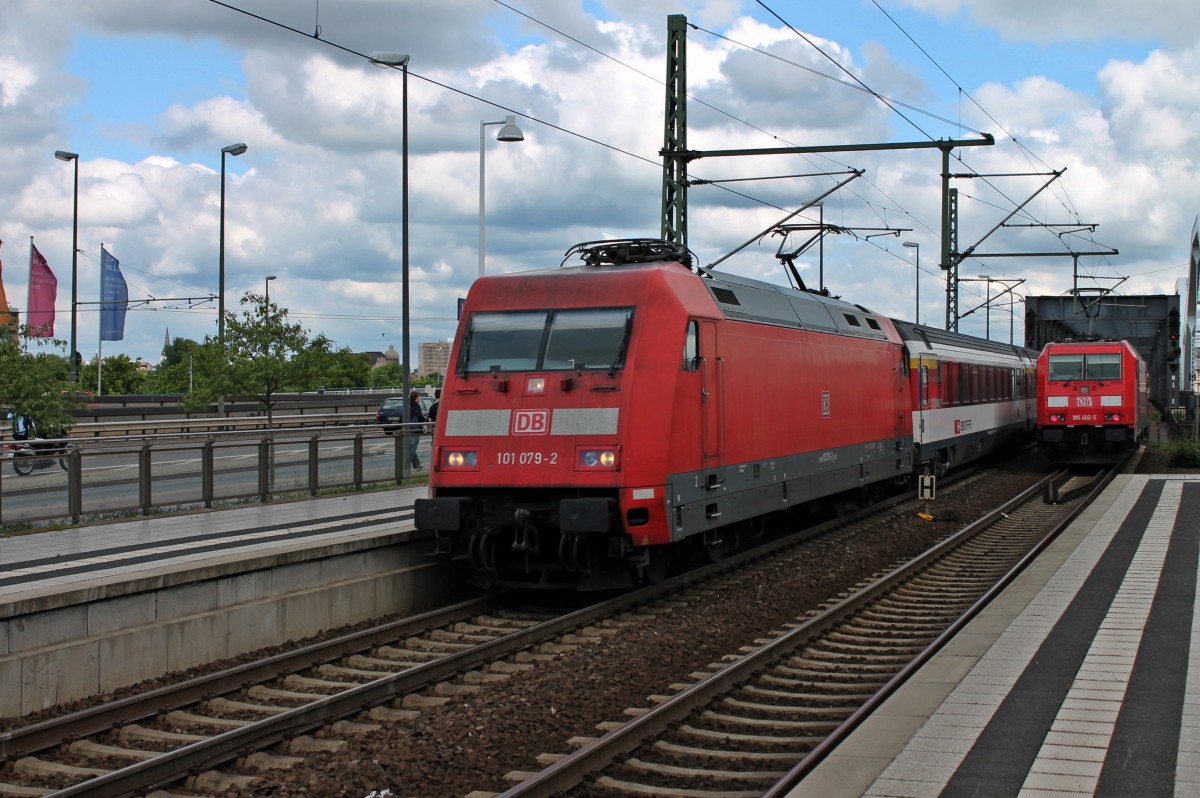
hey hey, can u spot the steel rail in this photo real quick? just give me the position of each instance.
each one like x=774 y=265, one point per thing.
x=50 y=733
x=835 y=738
x=568 y=771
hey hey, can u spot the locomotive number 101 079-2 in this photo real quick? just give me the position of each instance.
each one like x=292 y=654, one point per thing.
x=526 y=458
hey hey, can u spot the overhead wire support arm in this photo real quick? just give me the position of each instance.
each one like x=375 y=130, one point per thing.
x=1003 y=174
x=1091 y=228
x=966 y=253
x=1008 y=289
x=1043 y=254
x=853 y=176
x=692 y=155
x=703 y=182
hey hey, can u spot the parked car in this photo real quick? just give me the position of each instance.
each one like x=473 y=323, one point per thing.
x=391 y=412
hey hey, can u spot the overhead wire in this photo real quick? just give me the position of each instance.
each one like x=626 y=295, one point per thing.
x=854 y=82
x=532 y=118
x=1029 y=155
x=858 y=85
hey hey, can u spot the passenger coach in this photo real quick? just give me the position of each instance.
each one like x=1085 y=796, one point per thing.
x=971 y=396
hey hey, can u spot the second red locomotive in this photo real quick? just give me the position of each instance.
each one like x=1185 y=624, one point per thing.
x=597 y=417
x=1092 y=400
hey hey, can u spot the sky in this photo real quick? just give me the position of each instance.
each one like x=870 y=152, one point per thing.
x=148 y=94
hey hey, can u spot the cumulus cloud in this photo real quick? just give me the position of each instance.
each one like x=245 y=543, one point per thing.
x=317 y=197
x=1169 y=21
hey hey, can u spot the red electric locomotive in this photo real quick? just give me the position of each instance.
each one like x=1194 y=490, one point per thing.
x=597 y=416
x=1092 y=400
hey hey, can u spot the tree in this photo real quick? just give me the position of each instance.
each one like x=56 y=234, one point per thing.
x=35 y=384
x=116 y=375
x=347 y=369
x=178 y=370
x=387 y=376
x=264 y=355
x=178 y=351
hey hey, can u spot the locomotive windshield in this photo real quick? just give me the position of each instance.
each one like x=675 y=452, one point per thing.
x=1066 y=367
x=1096 y=366
x=547 y=340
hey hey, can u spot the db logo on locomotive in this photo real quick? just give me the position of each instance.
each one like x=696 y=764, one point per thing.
x=531 y=422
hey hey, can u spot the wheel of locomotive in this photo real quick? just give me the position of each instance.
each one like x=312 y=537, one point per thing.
x=23 y=465
x=657 y=565
x=715 y=545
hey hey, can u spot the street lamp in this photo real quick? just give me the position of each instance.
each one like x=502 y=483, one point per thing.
x=232 y=149
x=63 y=155
x=382 y=58
x=917 y=246
x=510 y=132
x=267 y=287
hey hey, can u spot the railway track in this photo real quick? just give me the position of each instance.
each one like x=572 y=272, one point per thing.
x=755 y=725
x=344 y=686
x=211 y=734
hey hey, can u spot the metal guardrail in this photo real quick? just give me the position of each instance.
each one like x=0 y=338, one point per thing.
x=96 y=429
x=195 y=463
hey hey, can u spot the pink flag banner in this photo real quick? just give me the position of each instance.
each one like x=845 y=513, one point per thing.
x=43 y=291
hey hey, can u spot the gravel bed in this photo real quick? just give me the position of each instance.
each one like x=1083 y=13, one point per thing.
x=472 y=742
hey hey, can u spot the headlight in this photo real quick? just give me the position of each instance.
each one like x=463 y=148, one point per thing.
x=1112 y=416
x=460 y=459
x=596 y=459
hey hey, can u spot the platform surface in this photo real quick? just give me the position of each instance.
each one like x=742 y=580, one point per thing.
x=79 y=559
x=1078 y=680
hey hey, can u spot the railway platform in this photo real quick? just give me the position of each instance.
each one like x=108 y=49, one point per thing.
x=1081 y=679
x=49 y=567
x=94 y=608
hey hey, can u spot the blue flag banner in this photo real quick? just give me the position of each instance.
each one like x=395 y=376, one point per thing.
x=114 y=298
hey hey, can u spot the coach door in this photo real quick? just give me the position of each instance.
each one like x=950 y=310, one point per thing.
x=712 y=400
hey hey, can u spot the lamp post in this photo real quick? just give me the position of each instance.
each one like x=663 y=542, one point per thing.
x=63 y=155
x=232 y=149
x=267 y=296
x=917 y=246
x=393 y=60
x=510 y=132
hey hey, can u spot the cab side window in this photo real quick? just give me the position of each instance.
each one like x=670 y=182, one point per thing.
x=691 y=348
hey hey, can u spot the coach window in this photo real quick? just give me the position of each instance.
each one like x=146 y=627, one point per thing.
x=691 y=348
